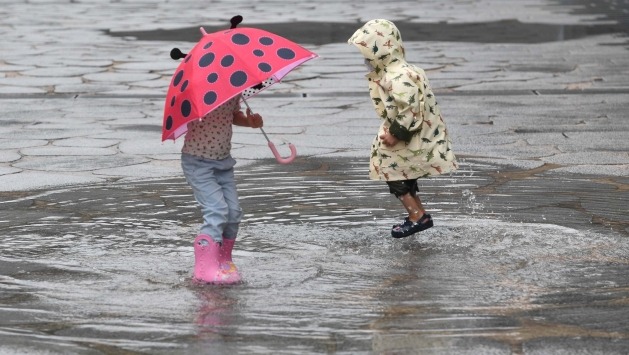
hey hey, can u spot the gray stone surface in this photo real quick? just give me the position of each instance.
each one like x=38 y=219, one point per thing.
x=529 y=254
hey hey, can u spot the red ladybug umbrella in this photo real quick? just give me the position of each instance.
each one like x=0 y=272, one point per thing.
x=222 y=65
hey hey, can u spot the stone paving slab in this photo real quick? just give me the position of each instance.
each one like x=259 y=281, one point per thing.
x=125 y=66
x=581 y=133
x=78 y=100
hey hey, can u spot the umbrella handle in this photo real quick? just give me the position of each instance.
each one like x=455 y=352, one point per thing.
x=279 y=158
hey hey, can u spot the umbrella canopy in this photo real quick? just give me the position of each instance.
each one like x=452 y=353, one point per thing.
x=222 y=65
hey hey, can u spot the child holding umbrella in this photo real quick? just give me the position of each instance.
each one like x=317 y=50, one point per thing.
x=203 y=99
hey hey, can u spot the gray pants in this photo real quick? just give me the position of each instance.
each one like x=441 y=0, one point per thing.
x=214 y=188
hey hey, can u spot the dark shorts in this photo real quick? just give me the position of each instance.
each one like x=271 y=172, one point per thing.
x=403 y=187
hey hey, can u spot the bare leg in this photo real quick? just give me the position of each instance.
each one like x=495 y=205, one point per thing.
x=413 y=206
x=419 y=203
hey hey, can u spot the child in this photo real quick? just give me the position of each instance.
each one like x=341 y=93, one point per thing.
x=209 y=170
x=412 y=141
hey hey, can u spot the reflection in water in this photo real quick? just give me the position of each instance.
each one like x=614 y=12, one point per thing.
x=215 y=313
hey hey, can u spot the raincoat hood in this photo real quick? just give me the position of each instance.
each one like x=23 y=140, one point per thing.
x=380 y=42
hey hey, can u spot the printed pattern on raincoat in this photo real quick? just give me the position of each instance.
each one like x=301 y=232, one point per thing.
x=403 y=99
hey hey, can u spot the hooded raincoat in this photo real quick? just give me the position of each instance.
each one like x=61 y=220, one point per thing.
x=403 y=99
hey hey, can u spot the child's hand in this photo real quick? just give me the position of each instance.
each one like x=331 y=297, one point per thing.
x=388 y=139
x=254 y=120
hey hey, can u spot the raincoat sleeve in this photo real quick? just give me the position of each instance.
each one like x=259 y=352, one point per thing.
x=406 y=111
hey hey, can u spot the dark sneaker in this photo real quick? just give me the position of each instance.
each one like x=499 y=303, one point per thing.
x=406 y=229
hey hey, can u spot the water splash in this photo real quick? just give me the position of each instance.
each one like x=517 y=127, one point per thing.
x=468 y=199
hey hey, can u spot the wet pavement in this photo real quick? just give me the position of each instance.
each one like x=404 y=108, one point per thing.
x=106 y=269
x=529 y=254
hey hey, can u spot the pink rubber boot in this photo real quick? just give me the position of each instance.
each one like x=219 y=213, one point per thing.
x=228 y=268
x=206 y=260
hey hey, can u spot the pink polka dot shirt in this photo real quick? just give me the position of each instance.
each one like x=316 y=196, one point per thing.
x=210 y=137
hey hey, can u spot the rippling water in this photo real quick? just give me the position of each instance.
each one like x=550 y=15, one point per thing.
x=107 y=270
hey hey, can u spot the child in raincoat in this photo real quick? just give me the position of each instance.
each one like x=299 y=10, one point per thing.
x=412 y=141
x=209 y=169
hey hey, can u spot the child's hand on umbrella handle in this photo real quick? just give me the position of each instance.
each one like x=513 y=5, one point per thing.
x=254 y=119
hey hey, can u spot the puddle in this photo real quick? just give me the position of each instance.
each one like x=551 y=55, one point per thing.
x=107 y=269
x=481 y=285
x=320 y=33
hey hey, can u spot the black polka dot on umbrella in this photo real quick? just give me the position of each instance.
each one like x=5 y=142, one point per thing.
x=212 y=78
x=208 y=45
x=227 y=60
x=258 y=53
x=184 y=85
x=265 y=67
x=186 y=108
x=206 y=60
x=240 y=39
x=238 y=78
x=172 y=101
x=210 y=97
x=178 y=78
x=285 y=53
x=267 y=41
x=169 y=123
